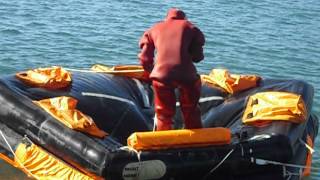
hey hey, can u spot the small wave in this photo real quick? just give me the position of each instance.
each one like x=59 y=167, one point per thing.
x=28 y=15
x=11 y=32
x=36 y=24
x=7 y=59
x=62 y=33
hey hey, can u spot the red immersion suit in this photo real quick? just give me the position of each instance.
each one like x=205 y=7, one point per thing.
x=178 y=43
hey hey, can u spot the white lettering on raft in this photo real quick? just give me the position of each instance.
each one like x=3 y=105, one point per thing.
x=143 y=170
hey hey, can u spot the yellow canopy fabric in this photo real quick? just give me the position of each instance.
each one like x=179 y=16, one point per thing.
x=39 y=164
x=132 y=71
x=231 y=83
x=64 y=109
x=270 y=106
x=179 y=138
x=52 y=78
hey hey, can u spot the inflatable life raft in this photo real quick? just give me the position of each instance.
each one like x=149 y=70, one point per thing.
x=98 y=124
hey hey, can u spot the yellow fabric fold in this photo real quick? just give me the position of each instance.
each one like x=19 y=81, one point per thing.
x=132 y=71
x=52 y=78
x=274 y=106
x=179 y=138
x=231 y=83
x=37 y=163
x=64 y=109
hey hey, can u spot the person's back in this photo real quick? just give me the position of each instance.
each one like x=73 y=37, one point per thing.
x=178 y=44
x=172 y=39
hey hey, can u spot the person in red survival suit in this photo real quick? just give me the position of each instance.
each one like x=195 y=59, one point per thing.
x=178 y=43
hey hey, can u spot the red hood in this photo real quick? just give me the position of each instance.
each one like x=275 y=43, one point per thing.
x=175 y=14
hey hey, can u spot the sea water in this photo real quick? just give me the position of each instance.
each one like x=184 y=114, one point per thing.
x=271 y=38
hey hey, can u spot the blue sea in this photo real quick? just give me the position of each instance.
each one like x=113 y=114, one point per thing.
x=271 y=38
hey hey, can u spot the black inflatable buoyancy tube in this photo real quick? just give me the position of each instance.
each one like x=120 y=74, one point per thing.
x=104 y=158
x=98 y=97
x=26 y=118
x=198 y=163
x=232 y=109
x=194 y=163
x=236 y=104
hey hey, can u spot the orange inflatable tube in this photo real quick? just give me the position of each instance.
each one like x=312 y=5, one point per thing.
x=179 y=138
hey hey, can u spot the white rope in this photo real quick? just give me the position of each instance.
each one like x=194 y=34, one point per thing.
x=219 y=164
x=108 y=97
x=210 y=98
x=127 y=148
x=206 y=99
x=264 y=161
x=17 y=159
x=290 y=174
x=155 y=120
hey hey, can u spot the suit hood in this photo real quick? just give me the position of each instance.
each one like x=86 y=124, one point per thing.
x=175 y=13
